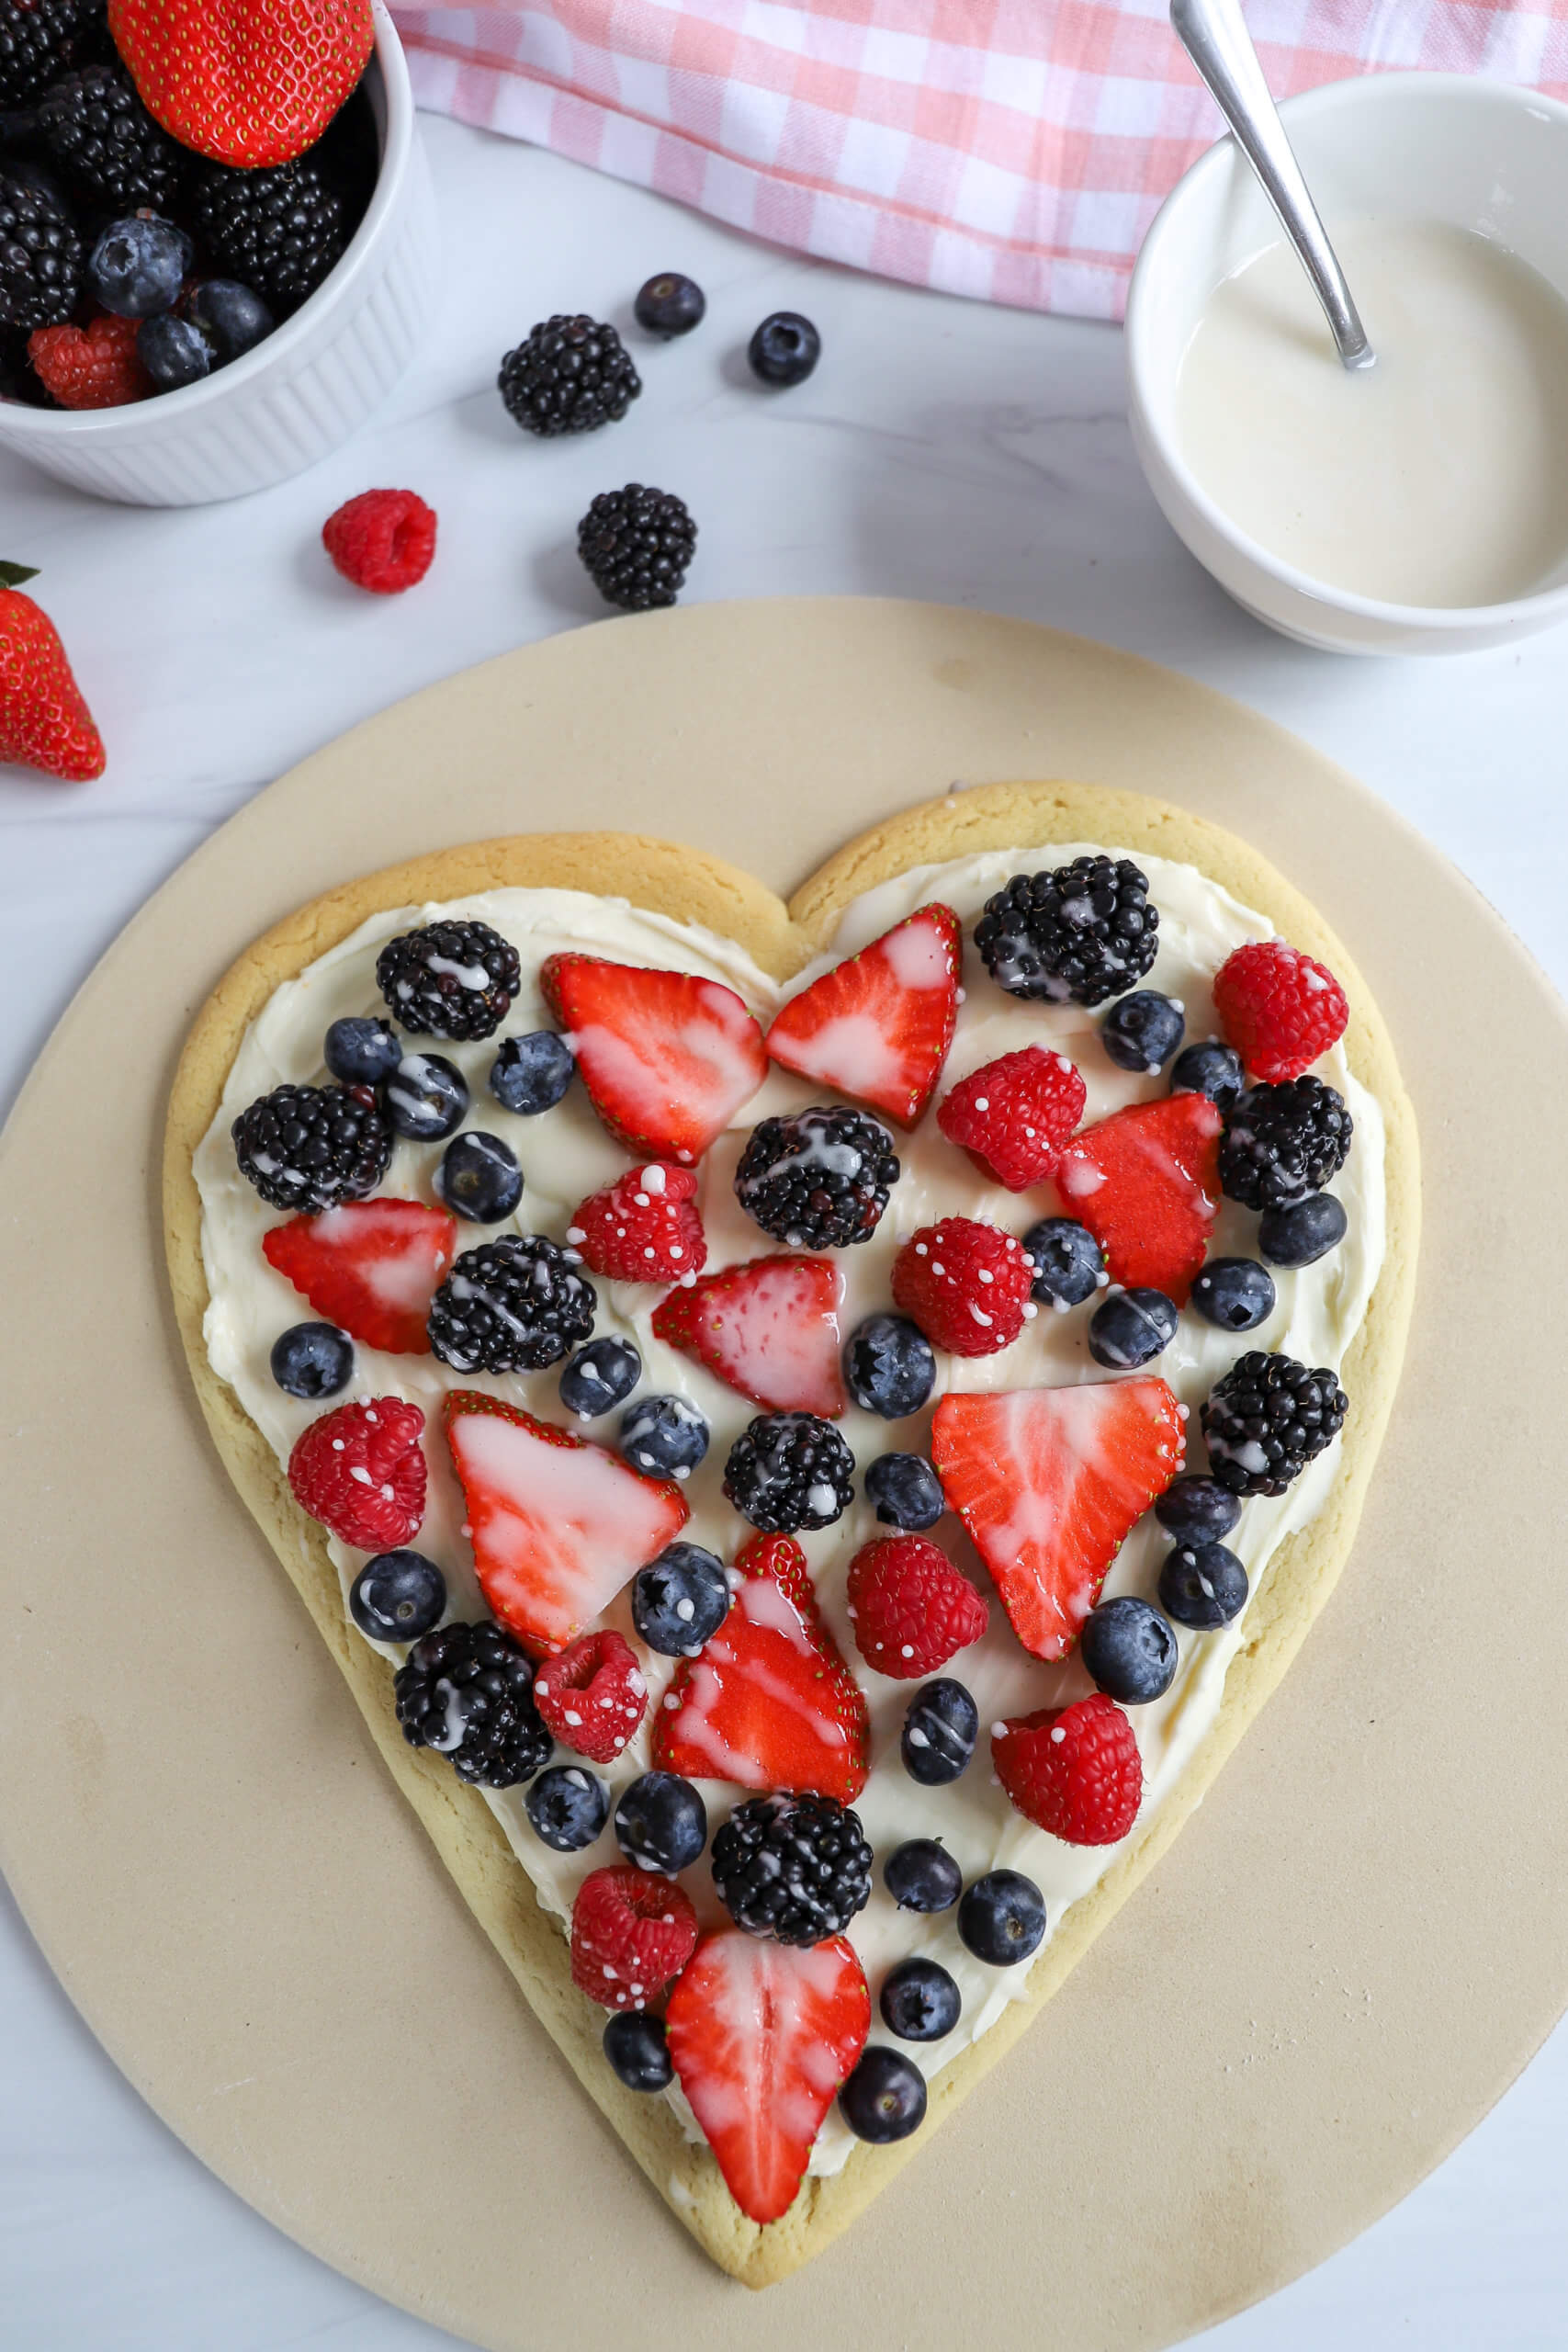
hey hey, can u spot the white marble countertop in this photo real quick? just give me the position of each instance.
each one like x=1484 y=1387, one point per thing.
x=942 y=450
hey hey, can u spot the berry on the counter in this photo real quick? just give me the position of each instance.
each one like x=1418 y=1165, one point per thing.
x=889 y=1367
x=1267 y=1418
x=919 y=2002
x=44 y=722
x=279 y=232
x=312 y=1146
x=770 y=1329
x=1197 y=1509
x=1280 y=1009
x=97 y=366
x=362 y=1050
x=1283 y=1142
x=904 y=1491
x=1049 y=1483
x=569 y=374
x=38 y=40
x=967 y=1286
x=250 y=85
x=449 y=980
x=885 y=2099
x=567 y=1807
x=1013 y=1115
x=793 y=1866
x=910 y=1608
x=878 y=1026
x=663 y=1437
x=1130 y=1327
x=1069 y=1265
x=40 y=258
x=92 y=124
x=667 y=1058
x=600 y=1377
x=1129 y=1651
x=1146 y=1182
x=638 y=2051
x=922 y=1875
x=818 y=1179
x=313 y=1359
x=637 y=546
x=231 y=318
x=630 y=1934
x=383 y=540
x=370 y=1266
x=1234 y=1293
x=661 y=1823
x=790 y=1471
x=1141 y=1032
x=1075 y=1771
x=398 y=1596
x=783 y=350
x=467 y=1692
x=1074 y=935
x=645 y=1227
x=1002 y=1919
x=360 y=1470
x=1303 y=1232
x=513 y=1304
x=530 y=1074
x=670 y=304
x=138 y=266
x=941 y=1726
x=426 y=1098
x=1210 y=1068
x=680 y=1601
x=592 y=1695
x=478 y=1178
x=1202 y=1585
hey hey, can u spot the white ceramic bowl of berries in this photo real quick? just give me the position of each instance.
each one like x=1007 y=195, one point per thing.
x=266 y=408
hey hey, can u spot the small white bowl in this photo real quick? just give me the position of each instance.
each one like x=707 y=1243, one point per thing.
x=1474 y=154
x=301 y=392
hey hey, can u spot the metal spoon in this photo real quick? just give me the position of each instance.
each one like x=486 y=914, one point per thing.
x=1215 y=35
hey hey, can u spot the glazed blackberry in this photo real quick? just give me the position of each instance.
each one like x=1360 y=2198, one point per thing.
x=568 y=375
x=38 y=38
x=449 y=980
x=40 y=258
x=637 y=546
x=820 y=1178
x=796 y=1868
x=1267 y=1420
x=308 y=1147
x=1078 y=934
x=96 y=129
x=1283 y=1142
x=789 y=1471
x=280 y=230
x=513 y=1304
x=467 y=1692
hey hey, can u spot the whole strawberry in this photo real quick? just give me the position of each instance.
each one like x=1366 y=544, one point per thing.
x=44 y=723
x=910 y=1608
x=1073 y=1770
x=247 y=81
x=1279 y=1008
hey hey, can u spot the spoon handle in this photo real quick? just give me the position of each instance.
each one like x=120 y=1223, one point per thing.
x=1215 y=35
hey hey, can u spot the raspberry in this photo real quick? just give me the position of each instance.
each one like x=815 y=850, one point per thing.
x=1074 y=1771
x=643 y=1227
x=966 y=1284
x=1279 y=1008
x=360 y=1470
x=911 y=1608
x=1013 y=1116
x=592 y=1695
x=383 y=540
x=631 y=1932
x=90 y=366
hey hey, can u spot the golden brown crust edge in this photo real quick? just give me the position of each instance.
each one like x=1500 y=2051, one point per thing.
x=692 y=886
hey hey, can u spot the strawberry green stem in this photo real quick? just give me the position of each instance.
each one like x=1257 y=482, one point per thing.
x=13 y=574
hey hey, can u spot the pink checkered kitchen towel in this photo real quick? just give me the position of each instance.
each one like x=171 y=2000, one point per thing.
x=1013 y=150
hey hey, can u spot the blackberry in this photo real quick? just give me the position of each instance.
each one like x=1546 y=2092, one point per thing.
x=280 y=230
x=37 y=39
x=637 y=546
x=788 y=1471
x=96 y=128
x=40 y=258
x=1078 y=934
x=818 y=1180
x=513 y=1304
x=1283 y=1142
x=449 y=980
x=308 y=1147
x=568 y=375
x=796 y=1868
x=1267 y=1420
x=467 y=1692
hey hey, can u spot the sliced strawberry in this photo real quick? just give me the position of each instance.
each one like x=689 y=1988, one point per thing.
x=878 y=1027
x=770 y=1328
x=761 y=2035
x=558 y=1525
x=1146 y=1183
x=768 y=1704
x=1049 y=1481
x=371 y=1267
x=667 y=1058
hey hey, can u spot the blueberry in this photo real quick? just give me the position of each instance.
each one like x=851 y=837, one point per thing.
x=229 y=318
x=362 y=1052
x=1068 y=1264
x=313 y=1359
x=1300 y=1234
x=427 y=1097
x=139 y=266
x=662 y=1823
x=664 y=1436
x=1141 y=1030
x=904 y=1491
x=1130 y=1327
x=1128 y=1651
x=679 y=1600
x=1001 y=1917
x=1198 y=1511
x=670 y=304
x=636 y=2049
x=479 y=1177
x=919 y=2001
x=531 y=1074
x=602 y=1375
x=941 y=1726
x=1234 y=1293
x=172 y=351
x=569 y=1807
x=398 y=1596
x=1211 y=1069
x=785 y=350
x=889 y=1367
x=885 y=2099
x=922 y=1875
x=1203 y=1586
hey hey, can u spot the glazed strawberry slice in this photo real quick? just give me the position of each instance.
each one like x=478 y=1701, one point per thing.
x=1049 y=1481
x=371 y=1267
x=768 y=1704
x=667 y=1058
x=878 y=1027
x=558 y=1525
x=761 y=2035
x=1146 y=1183
x=769 y=1328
